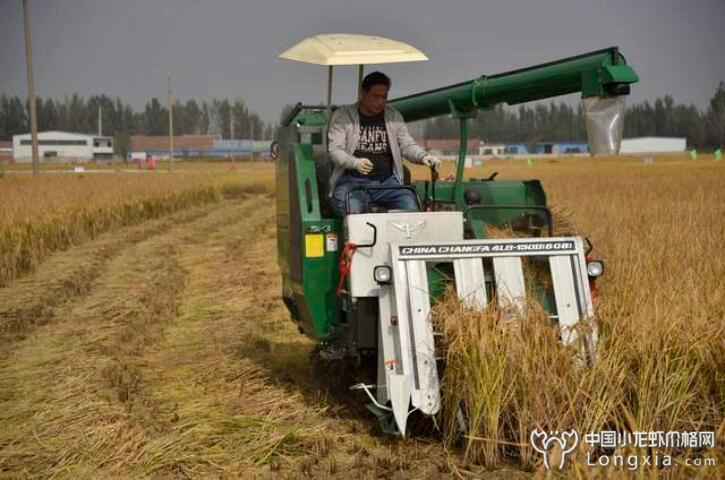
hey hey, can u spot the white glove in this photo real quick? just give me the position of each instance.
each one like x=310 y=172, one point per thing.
x=363 y=165
x=431 y=161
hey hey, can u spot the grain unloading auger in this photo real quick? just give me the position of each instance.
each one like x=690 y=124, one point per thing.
x=363 y=286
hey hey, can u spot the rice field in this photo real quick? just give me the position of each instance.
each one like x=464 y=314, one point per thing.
x=661 y=359
x=41 y=215
x=154 y=344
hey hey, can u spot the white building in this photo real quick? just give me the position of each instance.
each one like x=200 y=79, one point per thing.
x=65 y=146
x=653 y=145
x=495 y=149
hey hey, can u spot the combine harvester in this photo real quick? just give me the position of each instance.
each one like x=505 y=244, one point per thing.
x=363 y=286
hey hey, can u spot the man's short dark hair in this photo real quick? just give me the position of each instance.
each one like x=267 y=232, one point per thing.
x=375 y=78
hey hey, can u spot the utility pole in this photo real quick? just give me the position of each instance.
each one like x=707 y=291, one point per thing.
x=231 y=127
x=252 y=124
x=31 y=88
x=100 y=121
x=171 y=126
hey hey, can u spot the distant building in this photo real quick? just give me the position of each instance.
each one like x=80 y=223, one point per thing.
x=516 y=149
x=547 y=148
x=66 y=146
x=560 y=148
x=184 y=145
x=6 y=152
x=240 y=148
x=653 y=145
x=494 y=149
x=195 y=146
x=449 y=146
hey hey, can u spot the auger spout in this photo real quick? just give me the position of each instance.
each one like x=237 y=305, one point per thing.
x=603 y=78
x=602 y=73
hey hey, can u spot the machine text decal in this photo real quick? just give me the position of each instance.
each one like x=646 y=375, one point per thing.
x=483 y=248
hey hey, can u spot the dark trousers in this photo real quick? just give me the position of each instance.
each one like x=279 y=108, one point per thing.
x=360 y=200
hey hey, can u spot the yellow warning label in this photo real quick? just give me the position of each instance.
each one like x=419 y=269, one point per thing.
x=314 y=245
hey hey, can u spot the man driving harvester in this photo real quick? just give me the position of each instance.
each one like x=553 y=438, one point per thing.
x=367 y=142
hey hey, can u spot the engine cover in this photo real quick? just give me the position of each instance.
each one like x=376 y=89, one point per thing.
x=398 y=227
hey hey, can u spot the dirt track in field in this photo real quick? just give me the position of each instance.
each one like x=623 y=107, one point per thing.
x=164 y=351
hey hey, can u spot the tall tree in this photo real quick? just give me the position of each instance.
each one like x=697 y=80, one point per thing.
x=4 y=105
x=205 y=119
x=223 y=118
x=716 y=118
x=156 y=118
x=192 y=112
x=49 y=115
x=241 y=119
x=215 y=122
x=16 y=119
x=77 y=119
x=256 y=127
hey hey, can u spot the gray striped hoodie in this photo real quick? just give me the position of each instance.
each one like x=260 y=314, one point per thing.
x=344 y=133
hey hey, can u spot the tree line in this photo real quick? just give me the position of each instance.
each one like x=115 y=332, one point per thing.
x=554 y=122
x=80 y=114
x=560 y=122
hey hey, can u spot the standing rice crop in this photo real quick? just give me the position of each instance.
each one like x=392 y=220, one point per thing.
x=660 y=365
x=42 y=215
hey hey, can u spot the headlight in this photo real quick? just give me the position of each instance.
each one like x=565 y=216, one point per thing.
x=595 y=268
x=382 y=274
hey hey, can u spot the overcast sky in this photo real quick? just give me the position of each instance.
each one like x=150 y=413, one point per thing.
x=228 y=48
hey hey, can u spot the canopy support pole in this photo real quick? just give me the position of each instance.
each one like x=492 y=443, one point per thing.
x=329 y=86
x=360 y=70
x=329 y=105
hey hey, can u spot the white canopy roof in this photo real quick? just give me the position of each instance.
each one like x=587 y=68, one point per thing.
x=352 y=49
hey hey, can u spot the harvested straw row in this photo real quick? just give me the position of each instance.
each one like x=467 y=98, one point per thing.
x=33 y=299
